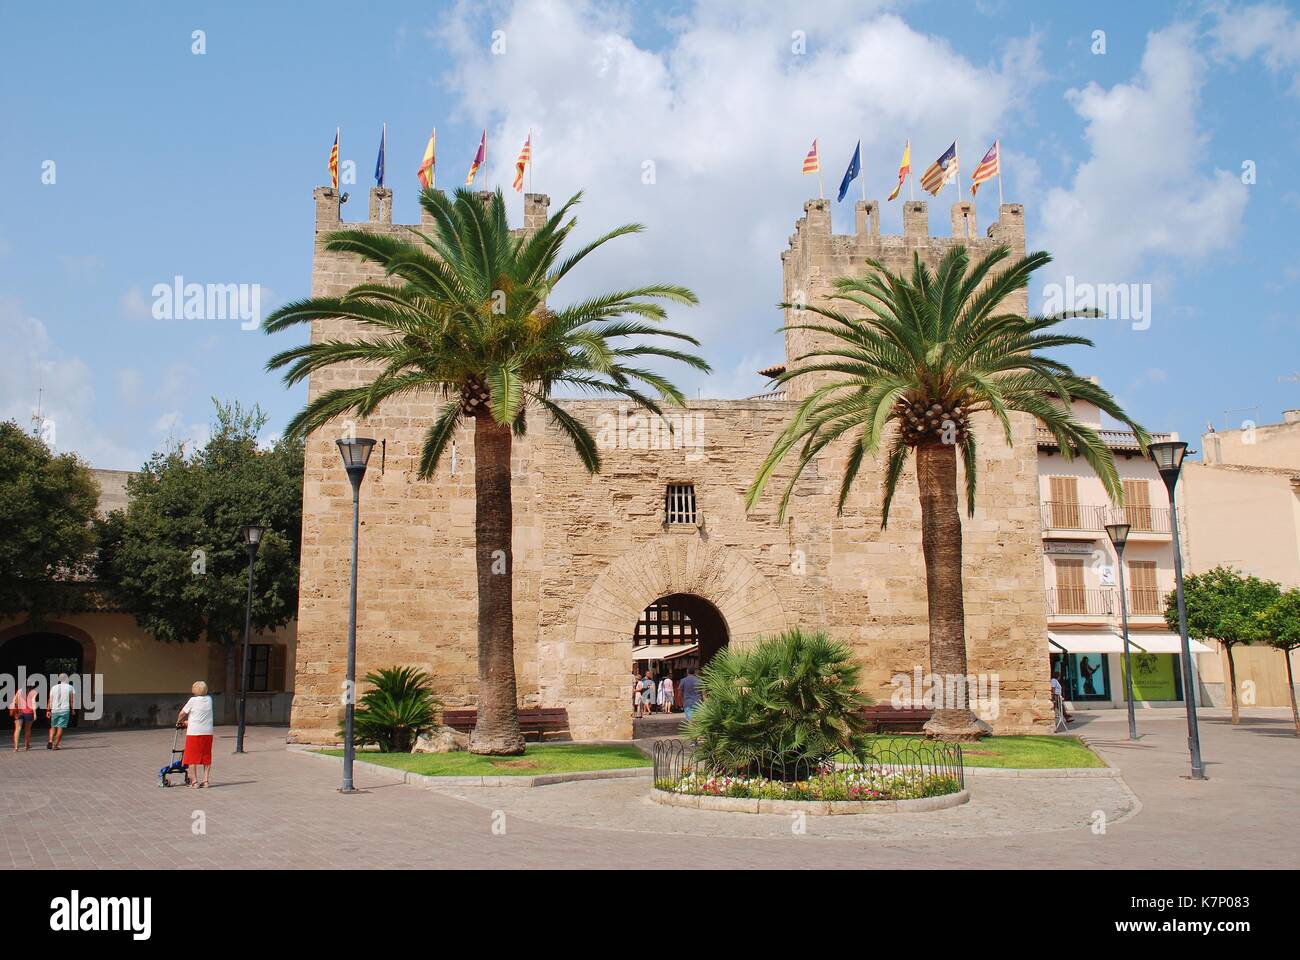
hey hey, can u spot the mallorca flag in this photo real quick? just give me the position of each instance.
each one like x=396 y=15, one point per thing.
x=479 y=157
x=425 y=173
x=990 y=167
x=525 y=158
x=904 y=169
x=812 y=163
x=855 y=167
x=334 y=161
x=943 y=171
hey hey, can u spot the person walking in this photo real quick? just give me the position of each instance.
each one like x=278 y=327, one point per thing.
x=648 y=693
x=666 y=694
x=690 y=693
x=63 y=700
x=196 y=717
x=23 y=711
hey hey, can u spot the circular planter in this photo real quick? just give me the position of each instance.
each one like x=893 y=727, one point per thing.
x=819 y=808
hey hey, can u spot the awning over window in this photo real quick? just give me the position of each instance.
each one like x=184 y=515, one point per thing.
x=663 y=651
x=1167 y=643
x=1092 y=641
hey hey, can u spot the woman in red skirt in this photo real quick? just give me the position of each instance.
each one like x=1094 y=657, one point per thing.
x=196 y=716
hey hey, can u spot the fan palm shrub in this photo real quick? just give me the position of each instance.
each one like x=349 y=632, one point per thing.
x=464 y=317
x=913 y=358
x=398 y=707
x=787 y=704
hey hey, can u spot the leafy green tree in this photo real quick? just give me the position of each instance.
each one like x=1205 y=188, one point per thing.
x=1224 y=605
x=785 y=704
x=465 y=319
x=48 y=503
x=1281 y=625
x=174 y=558
x=913 y=359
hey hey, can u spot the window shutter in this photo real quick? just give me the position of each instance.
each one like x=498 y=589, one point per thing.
x=1065 y=503
x=1144 y=593
x=1069 y=586
x=1137 y=504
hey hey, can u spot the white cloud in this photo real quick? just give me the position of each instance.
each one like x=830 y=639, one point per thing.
x=1269 y=31
x=37 y=371
x=1146 y=190
x=725 y=112
x=134 y=306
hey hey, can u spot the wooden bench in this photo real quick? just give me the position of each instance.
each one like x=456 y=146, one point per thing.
x=887 y=719
x=536 y=722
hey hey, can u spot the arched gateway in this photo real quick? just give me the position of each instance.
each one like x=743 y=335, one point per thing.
x=598 y=697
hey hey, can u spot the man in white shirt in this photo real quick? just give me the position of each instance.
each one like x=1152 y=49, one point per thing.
x=58 y=710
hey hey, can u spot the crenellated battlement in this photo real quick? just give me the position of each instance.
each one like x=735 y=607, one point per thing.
x=328 y=209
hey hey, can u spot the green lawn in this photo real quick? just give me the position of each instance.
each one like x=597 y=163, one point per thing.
x=1019 y=752
x=537 y=759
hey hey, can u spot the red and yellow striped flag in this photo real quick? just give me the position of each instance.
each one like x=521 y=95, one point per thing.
x=989 y=167
x=334 y=161
x=812 y=163
x=479 y=158
x=429 y=162
x=904 y=169
x=525 y=158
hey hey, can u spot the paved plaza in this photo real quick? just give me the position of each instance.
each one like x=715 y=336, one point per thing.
x=96 y=803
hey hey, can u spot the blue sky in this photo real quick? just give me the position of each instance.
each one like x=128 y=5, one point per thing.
x=1129 y=163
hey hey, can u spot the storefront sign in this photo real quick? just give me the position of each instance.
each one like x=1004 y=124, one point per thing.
x=1075 y=548
x=1154 y=676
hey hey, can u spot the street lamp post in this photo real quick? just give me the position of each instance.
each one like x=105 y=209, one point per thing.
x=1168 y=457
x=1118 y=533
x=251 y=534
x=356 y=454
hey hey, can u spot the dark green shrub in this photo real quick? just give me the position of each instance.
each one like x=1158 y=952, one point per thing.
x=779 y=709
x=399 y=707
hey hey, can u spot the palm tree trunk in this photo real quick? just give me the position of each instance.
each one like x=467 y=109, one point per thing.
x=936 y=476
x=1232 y=682
x=497 y=729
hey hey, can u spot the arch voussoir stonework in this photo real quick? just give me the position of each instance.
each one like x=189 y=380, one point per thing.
x=597 y=697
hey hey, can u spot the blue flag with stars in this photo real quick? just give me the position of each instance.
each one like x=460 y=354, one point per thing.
x=851 y=174
x=379 y=163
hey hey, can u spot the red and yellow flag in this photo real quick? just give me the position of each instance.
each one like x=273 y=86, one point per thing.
x=989 y=167
x=812 y=163
x=904 y=169
x=334 y=161
x=525 y=158
x=429 y=161
x=479 y=158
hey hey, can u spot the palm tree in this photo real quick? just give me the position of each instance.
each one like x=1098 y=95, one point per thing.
x=929 y=352
x=464 y=316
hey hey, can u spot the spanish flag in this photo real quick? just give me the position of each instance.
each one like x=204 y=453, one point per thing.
x=425 y=173
x=904 y=169
x=334 y=161
x=812 y=163
x=525 y=158
x=479 y=159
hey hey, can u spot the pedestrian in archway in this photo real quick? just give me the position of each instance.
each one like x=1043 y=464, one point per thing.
x=196 y=717
x=63 y=700
x=23 y=711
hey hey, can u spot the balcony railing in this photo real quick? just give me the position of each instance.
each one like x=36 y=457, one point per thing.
x=1081 y=601
x=1120 y=440
x=1104 y=602
x=1069 y=515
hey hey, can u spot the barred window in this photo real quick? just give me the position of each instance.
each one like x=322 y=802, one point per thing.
x=679 y=504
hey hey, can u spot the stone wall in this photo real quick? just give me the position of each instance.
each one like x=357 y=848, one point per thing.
x=590 y=554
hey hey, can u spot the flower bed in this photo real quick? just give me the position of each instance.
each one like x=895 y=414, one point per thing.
x=826 y=785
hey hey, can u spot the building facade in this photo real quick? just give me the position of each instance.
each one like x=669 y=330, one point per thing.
x=661 y=537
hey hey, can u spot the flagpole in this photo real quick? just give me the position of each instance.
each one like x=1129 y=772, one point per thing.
x=1000 y=200
x=821 y=189
x=530 y=159
x=862 y=173
x=956 y=162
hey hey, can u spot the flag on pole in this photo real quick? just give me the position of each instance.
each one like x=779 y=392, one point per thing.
x=989 y=167
x=479 y=159
x=379 y=163
x=940 y=173
x=525 y=158
x=334 y=161
x=812 y=163
x=425 y=173
x=855 y=167
x=904 y=169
